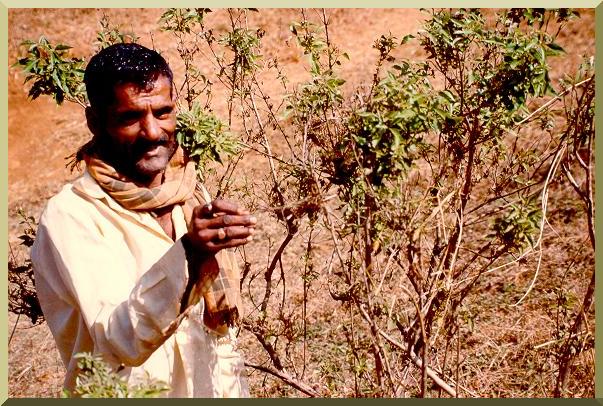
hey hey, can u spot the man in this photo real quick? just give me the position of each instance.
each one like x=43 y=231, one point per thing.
x=130 y=259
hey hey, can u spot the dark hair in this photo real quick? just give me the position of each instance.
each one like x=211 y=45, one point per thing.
x=122 y=63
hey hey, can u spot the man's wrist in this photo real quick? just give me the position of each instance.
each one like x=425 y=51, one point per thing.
x=193 y=266
x=188 y=248
x=197 y=261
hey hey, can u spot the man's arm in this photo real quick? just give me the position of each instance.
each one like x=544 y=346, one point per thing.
x=91 y=273
x=83 y=271
x=215 y=227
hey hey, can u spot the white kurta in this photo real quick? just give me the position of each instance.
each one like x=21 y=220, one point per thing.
x=110 y=281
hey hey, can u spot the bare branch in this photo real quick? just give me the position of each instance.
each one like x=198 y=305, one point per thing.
x=285 y=377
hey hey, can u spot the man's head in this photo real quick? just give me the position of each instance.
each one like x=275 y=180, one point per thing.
x=132 y=112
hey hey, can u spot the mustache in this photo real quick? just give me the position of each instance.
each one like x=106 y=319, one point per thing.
x=142 y=145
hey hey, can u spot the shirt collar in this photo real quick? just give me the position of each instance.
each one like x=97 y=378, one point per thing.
x=88 y=186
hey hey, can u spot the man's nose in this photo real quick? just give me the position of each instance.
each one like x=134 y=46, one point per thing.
x=150 y=128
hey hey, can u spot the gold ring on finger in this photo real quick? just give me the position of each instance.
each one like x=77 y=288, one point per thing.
x=221 y=234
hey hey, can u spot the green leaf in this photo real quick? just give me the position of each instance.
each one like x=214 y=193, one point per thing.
x=555 y=47
x=406 y=38
x=447 y=94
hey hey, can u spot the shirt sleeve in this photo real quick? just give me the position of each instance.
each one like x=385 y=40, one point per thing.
x=126 y=325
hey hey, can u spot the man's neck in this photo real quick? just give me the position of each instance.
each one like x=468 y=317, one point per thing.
x=156 y=181
x=164 y=218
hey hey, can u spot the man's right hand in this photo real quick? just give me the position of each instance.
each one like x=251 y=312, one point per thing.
x=218 y=225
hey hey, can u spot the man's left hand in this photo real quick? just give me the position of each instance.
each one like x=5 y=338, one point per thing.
x=220 y=224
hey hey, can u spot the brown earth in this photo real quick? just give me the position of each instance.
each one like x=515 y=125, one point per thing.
x=41 y=135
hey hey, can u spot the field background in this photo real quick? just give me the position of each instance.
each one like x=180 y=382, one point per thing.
x=501 y=356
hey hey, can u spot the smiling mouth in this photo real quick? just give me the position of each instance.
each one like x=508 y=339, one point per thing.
x=152 y=152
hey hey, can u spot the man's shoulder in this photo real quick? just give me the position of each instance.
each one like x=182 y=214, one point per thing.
x=69 y=200
x=66 y=195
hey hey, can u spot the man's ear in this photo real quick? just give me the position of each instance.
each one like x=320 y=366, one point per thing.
x=93 y=121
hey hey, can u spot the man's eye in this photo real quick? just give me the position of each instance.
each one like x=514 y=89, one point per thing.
x=164 y=113
x=127 y=118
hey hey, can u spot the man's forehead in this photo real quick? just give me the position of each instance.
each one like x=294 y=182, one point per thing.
x=128 y=92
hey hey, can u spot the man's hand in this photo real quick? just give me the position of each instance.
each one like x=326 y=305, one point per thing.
x=220 y=224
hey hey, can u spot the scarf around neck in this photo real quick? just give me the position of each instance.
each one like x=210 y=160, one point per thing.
x=178 y=186
x=222 y=296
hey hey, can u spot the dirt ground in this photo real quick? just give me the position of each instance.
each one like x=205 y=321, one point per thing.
x=41 y=135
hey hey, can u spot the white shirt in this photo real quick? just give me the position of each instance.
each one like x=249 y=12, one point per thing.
x=110 y=281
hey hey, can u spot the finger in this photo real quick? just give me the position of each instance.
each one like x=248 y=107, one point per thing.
x=223 y=233
x=206 y=210
x=227 y=207
x=197 y=212
x=226 y=220
x=235 y=232
x=206 y=235
x=217 y=246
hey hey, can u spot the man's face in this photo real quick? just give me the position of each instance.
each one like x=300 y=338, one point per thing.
x=140 y=126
